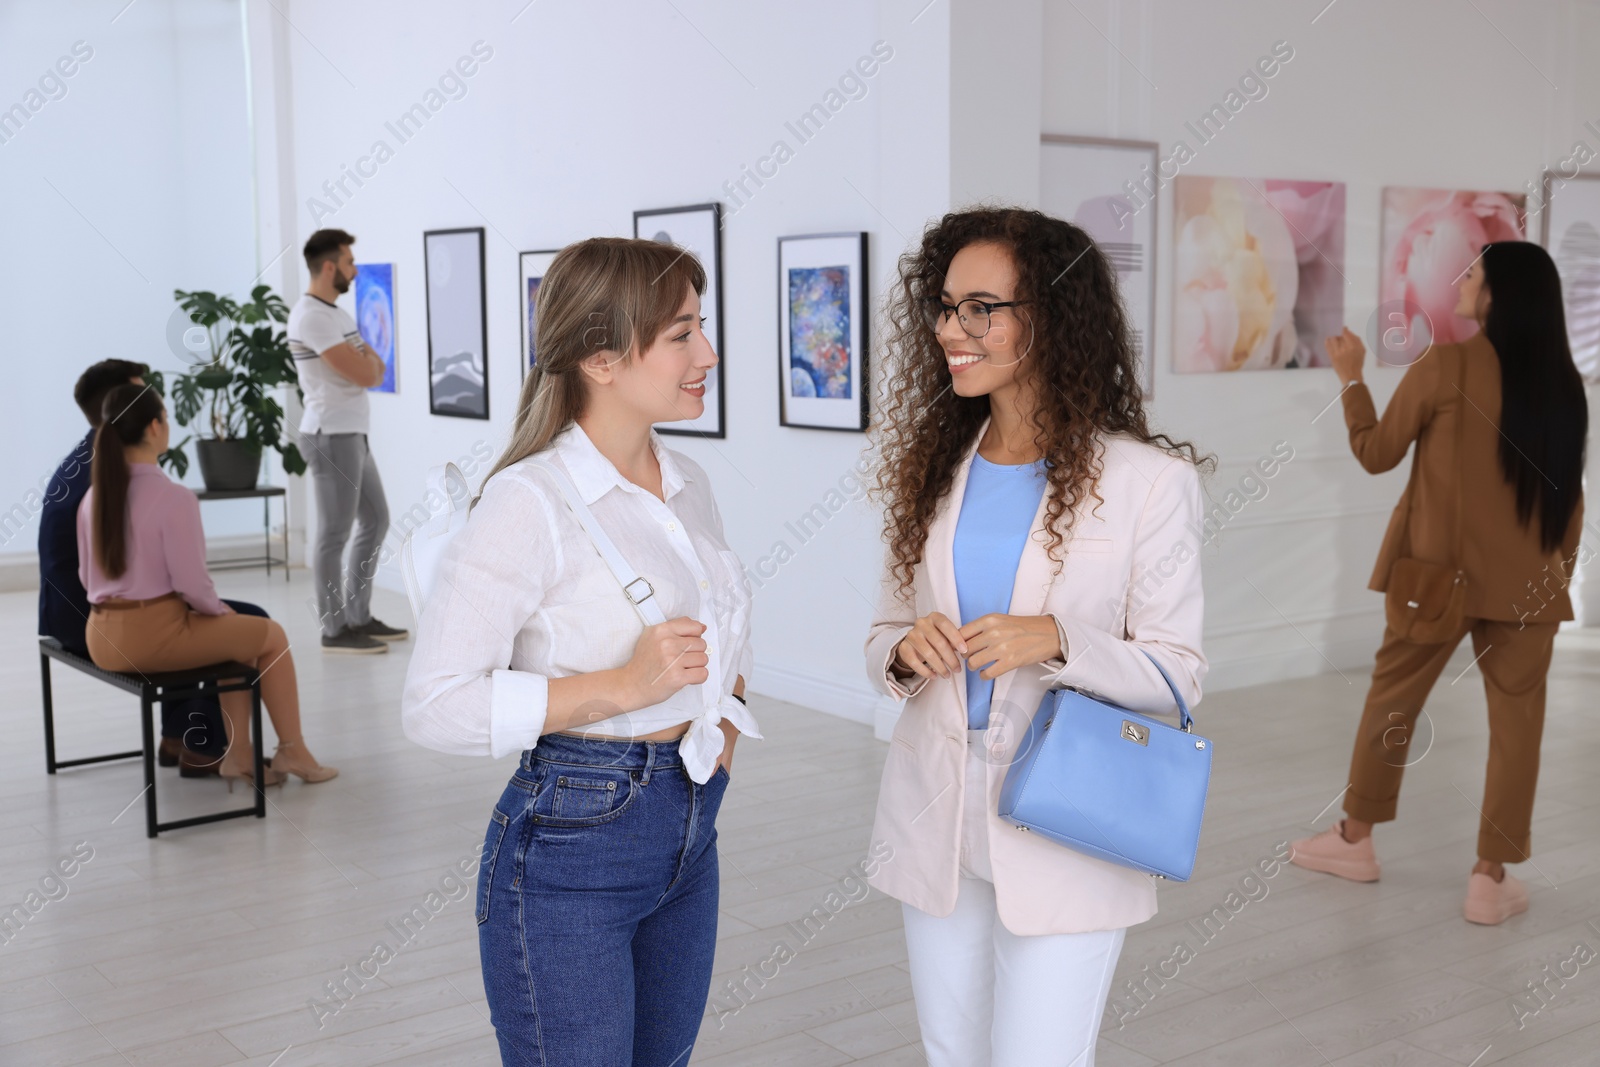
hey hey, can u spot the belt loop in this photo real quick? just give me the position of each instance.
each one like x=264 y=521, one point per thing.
x=649 y=762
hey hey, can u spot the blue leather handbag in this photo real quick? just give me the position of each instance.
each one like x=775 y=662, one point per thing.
x=1112 y=783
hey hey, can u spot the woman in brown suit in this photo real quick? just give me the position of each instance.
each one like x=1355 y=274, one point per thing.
x=1496 y=495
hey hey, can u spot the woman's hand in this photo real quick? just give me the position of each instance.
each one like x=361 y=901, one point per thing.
x=933 y=647
x=1347 y=354
x=667 y=657
x=1000 y=643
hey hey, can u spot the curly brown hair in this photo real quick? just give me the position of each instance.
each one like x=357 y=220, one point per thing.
x=1086 y=358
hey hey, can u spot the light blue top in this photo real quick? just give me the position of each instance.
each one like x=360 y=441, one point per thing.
x=997 y=513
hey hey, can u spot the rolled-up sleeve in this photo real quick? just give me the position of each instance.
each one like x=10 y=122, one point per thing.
x=892 y=618
x=1166 y=622
x=462 y=694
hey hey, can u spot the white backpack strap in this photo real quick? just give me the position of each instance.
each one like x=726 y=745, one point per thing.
x=634 y=586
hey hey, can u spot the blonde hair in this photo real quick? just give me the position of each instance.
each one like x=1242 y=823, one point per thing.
x=606 y=294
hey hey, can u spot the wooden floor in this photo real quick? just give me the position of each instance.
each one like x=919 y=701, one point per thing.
x=209 y=945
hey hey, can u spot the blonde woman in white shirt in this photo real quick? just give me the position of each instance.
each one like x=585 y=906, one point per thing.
x=597 y=892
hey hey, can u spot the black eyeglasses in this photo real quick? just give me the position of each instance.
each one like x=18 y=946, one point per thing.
x=972 y=314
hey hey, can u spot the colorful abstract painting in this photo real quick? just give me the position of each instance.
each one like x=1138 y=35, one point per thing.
x=1259 y=273
x=819 y=332
x=375 y=315
x=1430 y=238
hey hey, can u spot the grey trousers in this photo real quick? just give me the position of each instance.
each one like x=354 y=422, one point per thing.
x=349 y=492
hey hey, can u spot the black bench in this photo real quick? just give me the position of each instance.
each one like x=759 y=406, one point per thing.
x=153 y=689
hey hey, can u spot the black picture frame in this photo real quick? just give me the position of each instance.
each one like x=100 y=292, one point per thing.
x=706 y=233
x=529 y=265
x=444 y=332
x=860 y=326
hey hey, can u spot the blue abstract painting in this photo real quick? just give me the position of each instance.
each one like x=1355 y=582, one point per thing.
x=819 y=332
x=375 y=315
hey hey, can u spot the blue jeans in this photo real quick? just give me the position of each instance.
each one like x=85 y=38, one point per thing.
x=597 y=905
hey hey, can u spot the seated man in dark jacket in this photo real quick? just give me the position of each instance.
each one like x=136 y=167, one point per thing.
x=192 y=731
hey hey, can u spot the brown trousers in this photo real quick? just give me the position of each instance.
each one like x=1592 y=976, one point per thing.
x=1514 y=659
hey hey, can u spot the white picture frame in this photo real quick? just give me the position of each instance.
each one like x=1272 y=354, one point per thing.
x=1079 y=179
x=822 y=331
x=1570 y=232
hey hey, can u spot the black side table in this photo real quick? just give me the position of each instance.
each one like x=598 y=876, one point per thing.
x=266 y=493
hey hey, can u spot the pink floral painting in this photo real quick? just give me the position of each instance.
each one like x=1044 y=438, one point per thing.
x=1260 y=273
x=1430 y=238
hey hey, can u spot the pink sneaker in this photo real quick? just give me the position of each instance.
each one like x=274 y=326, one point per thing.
x=1490 y=902
x=1330 y=853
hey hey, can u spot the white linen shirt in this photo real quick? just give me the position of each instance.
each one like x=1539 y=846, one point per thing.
x=522 y=596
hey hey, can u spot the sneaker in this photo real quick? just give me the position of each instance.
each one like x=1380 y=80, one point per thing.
x=350 y=642
x=375 y=629
x=1490 y=902
x=1330 y=853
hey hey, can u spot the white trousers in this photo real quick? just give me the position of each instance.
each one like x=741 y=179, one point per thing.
x=989 y=998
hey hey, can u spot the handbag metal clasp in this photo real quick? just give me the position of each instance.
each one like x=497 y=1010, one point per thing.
x=1132 y=731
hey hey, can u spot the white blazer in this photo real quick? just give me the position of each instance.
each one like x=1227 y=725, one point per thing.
x=1130 y=581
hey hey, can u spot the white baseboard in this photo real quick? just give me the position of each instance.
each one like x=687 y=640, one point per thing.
x=853 y=702
x=19 y=571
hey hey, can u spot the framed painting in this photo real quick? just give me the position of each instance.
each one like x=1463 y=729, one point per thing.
x=458 y=332
x=375 y=316
x=1085 y=181
x=822 y=331
x=1570 y=232
x=1429 y=239
x=698 y=230
x=1258 y=277
x=531 y=272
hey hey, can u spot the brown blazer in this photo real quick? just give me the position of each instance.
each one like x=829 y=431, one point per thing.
x=1509 y=577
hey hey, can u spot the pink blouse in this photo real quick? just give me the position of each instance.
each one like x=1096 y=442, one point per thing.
x=166 y=545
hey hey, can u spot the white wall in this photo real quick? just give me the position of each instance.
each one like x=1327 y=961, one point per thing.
x=1426 y=93
x=583 y=114
x=571 y=125
x=134 y=182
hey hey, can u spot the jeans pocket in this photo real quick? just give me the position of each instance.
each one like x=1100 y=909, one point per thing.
x=582 y=796
x=498 y=822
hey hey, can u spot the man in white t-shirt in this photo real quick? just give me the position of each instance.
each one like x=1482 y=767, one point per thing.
x=336 y=368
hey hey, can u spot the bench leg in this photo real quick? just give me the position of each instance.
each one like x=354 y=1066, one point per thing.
x=147 y=715
x=49 y=716
x=255 y=734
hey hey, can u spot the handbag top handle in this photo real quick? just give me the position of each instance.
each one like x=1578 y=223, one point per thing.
x=634 y=585
x=1184 y=718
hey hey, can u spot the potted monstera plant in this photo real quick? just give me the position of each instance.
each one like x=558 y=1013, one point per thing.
x=228 y=396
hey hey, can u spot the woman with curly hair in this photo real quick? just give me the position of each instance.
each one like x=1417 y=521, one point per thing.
x=1040 y=536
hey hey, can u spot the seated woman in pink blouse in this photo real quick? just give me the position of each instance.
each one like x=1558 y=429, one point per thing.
x=141 y=557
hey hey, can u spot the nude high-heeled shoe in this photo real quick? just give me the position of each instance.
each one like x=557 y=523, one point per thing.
x=301 y=763
x=245 y=772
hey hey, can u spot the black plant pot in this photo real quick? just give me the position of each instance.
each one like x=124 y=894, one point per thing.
x=226 y=465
